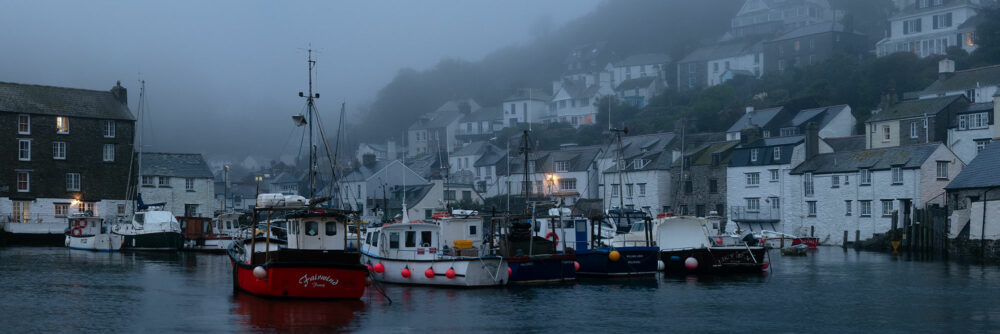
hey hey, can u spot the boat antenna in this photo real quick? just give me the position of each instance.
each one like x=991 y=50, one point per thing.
x=527 y=190
x=310 y=102
x=618 y=167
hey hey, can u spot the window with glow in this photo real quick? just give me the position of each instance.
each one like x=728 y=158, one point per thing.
x=62 y=124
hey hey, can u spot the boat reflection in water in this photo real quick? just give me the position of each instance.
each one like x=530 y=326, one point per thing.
x=311 y=315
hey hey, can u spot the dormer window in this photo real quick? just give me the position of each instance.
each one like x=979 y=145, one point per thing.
x=753 y=155
x=640 y=163
x=562 y=166
x=777 y=154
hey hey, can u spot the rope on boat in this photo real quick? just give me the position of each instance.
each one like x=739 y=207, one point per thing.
x=380 y=289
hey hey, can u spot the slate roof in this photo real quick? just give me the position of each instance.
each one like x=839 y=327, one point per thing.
x=580 y=159
x=821 y=116
x=722 y=50
x=484 y=114
x=641 y=82
x=759 y=118
x=965 y=79
x=475 y=148
x=61 y=101
x=914 y=108
x=364 y=172
x=175 y=165
x=530 y=93
x=578 y=89
x=444 y=115
x=635 y=146
x=842 y=144
x=414 y=194
x=491 y=158
x=981 y=172
x=908 y=157
x=703 y=154
x=429 y=166
x=644 y=59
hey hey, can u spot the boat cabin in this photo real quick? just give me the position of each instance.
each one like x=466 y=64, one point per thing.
x=86 y=226
x=414 y=241
x=317 y=231
x=681 y=233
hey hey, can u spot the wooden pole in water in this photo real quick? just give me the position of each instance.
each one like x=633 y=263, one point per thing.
x=845 y=239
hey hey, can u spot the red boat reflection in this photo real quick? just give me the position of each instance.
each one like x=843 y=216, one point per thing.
x=290 y=315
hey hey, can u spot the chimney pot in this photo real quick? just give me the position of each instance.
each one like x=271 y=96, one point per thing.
x=812 y=140
x=946 y=67
x=749 y=109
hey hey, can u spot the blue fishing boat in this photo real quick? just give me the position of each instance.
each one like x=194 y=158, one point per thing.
x=531 y=258
x=593 y=243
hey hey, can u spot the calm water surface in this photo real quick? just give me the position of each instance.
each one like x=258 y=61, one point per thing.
x=832 y=290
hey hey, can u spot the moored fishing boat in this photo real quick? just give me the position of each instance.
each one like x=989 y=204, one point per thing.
x=151 y=230
x=531 y=258
x=686 y=247
x=91 y=233
x=594 y=246
x=431 y=253
x=312 y=263
x=213 y=236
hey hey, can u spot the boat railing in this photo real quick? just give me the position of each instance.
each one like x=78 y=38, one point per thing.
x=754 y=214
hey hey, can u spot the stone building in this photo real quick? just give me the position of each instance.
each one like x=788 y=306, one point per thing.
x=701 y=183
x=183 y=181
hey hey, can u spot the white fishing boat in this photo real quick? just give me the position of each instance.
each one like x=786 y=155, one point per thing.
x=91 y=233
x=151 y=230
x=445 y=251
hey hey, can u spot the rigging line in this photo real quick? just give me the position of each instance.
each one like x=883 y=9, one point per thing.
x=326 y=145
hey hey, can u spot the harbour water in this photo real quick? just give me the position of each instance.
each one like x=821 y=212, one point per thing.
x=831 y=290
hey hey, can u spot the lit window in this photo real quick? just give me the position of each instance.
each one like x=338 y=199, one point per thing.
x=61 y=209
x=62 y=124
x=886 y=133
x=59 y=150
x=72 y=181
x=21 y=211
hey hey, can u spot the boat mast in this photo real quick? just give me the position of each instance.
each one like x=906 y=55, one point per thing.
x=310 y=100
x=527 y=189
x=618 y=167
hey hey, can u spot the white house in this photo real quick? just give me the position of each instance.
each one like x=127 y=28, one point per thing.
x=641 y=180
x=857 y=191
x=575 y=102
x=640 y=66
x=423 y=200
x=183 y=181
x=478 y=125
x=972 y=129
x=929 y=27
x=757 y=179
x=977 y=84
x=768 y=16
x=436 y=131
x=526 y=106
x=372 y=181
x=461 y=163
x=567 y=174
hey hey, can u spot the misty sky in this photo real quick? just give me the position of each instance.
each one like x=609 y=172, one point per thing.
x=223 y=76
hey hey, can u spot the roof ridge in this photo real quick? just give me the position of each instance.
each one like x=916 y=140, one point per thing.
x=170 y=153
x=842 y=137
x=978 y=68
x=59 y=87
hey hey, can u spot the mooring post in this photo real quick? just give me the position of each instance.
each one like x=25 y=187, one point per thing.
x=857 y=238
x=845 y=239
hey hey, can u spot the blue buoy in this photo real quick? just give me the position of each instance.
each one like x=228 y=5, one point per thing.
x=675 y=258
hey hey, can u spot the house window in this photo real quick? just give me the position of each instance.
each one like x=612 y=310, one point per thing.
x=962 y=124
x=191 y=210
x=147 y=181
x=562 y=166
x=866 y=208
x=23 y=124
x=22 y=211
x=715 y=159
x=23 y=182
x=807 y=182
x=913 y=129
x=978 y=120
x=449 y=195
x=766 y=134
x=61 y=209
x=472 y=230
x=24 y=149
x=567 y=184
x=775 y=202
x=614 y=190
x=109 y=152
x=812 y=208
x=781 y=65
x=942 y=170
x=642 y=188
x=109 y=129
x=753 y=204
x=164 y=181
x=628 y=190
x=981 y=144
x=942 y=21
x=886 y=133
x=189 y=184
x=713 y=186
x=866 y=177
x=847 y=207
x=777 y=154
x=62 y=124
x=911 y=26
x=753 y=179
x=897 y=175
x=72 y=181
x=531 y=166
x=59 y=150
x=835 y=181
x=886 y=207
x=121 y=210
x=753 y=155
x=774 y=175
x=688 y=187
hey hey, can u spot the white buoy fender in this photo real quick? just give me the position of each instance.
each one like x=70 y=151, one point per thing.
x=660 y=266
x=260 y=273
x=691 y=263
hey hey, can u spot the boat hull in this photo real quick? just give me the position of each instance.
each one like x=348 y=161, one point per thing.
x=633 y=261
x=303 y=281
x=717 y=260
x=218 y=245
x=469 y=272
x=98 y=243
x=542 y=268
x=154 y=241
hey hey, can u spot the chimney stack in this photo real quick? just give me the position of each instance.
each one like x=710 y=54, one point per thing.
x=996 y=114
x=368 y=159
x=946 y=67
x=749 y=109
x=120 y=93
x=749 y=134
x=812 y=140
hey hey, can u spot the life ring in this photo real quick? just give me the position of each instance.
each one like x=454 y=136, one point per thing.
x=81 y=223
x=77 y=232
x=555 y=237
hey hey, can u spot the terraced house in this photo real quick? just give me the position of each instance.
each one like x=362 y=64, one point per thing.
x=66 y=150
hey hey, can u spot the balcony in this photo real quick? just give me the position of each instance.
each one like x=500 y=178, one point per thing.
x=742 y=214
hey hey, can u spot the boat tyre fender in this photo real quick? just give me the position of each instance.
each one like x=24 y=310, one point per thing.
x=81 y=223
x=555 y=237
x=77 y=232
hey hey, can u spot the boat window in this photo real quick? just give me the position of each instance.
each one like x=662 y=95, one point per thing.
x=472 y=229
x=312 y=228
x=140 y=218
x=368 y=238
x=567 y=224
x=411 y=239
x=638 y=227
x=394 y=240
x=375 y=240
x=581 y=226
x=425 y=238
x=205 y=227
x=229 y=224
x=331 y=228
